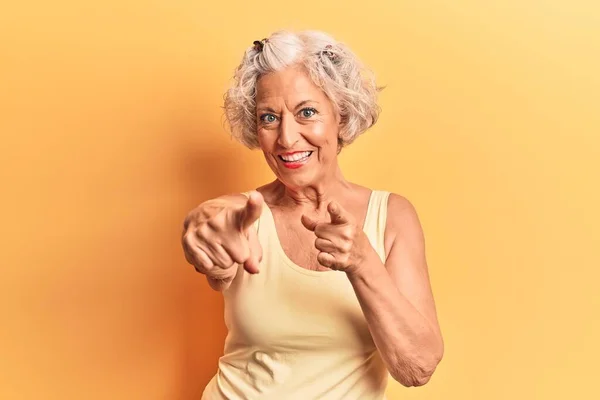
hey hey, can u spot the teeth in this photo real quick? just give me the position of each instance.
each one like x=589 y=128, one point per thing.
x=296 y=156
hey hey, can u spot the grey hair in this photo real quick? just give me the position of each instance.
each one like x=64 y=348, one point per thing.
x=330 y=64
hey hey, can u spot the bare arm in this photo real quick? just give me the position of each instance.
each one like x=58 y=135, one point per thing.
x=397 y=300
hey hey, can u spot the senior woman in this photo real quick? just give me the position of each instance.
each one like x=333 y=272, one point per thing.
x=325 y=282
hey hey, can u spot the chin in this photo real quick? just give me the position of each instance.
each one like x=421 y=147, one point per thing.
x=297 y=181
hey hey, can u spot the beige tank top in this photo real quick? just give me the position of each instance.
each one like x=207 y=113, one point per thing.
x=299 y=334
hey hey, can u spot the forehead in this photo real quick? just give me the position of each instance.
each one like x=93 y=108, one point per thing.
x=288 y=84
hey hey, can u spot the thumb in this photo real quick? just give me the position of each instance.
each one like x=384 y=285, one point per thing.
x=308 y=222
x=252 y=264
x=251 y=211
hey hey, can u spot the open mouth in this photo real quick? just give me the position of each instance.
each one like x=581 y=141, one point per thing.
x=296 y=157
x=295 y=160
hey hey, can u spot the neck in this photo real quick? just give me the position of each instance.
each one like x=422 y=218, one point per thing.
x=315 y=196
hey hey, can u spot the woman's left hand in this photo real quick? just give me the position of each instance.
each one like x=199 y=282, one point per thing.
x=342 y=244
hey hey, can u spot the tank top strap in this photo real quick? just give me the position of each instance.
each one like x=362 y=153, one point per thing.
x=374 y=226
x=376 y=220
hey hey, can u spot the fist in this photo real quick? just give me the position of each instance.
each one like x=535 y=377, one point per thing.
x=341 y=243
x=214 y=246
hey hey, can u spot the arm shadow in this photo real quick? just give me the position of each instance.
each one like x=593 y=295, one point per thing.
x=211 y=168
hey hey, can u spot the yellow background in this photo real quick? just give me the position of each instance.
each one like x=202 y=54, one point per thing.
x=111 y=129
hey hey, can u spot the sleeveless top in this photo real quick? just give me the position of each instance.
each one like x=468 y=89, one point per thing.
x=299 y=334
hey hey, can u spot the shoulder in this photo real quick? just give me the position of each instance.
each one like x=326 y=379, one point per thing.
x=402 y=219
x=398 y=204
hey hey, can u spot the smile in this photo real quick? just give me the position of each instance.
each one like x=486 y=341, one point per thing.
x=295 y=160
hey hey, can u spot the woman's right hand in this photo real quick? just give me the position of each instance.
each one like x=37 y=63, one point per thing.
x=215 y=245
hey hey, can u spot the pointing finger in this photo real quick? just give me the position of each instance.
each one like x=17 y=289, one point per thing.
x=251 y=212
x=336 y=213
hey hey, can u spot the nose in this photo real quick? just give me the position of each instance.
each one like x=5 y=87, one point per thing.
x=289 y=132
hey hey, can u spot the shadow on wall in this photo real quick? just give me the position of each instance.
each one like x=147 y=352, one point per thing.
x=209 y=169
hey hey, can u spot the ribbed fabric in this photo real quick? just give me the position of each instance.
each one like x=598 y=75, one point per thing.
x=299 y=334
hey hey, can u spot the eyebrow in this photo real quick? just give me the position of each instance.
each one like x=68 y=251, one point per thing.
x=269 y=109
x=302 y=103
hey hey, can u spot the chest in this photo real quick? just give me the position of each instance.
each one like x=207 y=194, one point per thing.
x=294 y=303
x=297 y=242
x=281 y=308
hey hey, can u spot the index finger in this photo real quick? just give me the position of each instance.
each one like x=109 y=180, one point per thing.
x=337 y=214
x=247 y=215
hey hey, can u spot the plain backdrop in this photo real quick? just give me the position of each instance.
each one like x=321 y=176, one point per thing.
x=111 y=130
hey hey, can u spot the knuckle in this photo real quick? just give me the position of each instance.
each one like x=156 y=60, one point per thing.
x=223 y=261
x=239 y=255
x=188 y=241
x=204 y=261
x=204 y=233
x=214 y=223
x=201 y=232
x=346 y=247
x=201 y=257
x=201 y=269
x=199 y=266
x=185 y=238
x=204 y=267
x=187 y=235
x=222 y=266
x=347 y=233
x=244 y=254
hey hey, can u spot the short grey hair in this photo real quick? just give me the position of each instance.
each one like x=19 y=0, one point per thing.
x=331 y=65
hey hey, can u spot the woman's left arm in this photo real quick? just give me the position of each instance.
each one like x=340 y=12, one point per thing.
x=395 y=297
x=397 y=300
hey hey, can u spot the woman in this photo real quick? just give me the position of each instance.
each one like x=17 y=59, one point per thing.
x=325 y=282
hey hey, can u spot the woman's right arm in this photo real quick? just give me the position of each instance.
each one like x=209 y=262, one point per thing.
x=217 y=235
x=211 y=207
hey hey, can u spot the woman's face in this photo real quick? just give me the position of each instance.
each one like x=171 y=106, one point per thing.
x=297 y=127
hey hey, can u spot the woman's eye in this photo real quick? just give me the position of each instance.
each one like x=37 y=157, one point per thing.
x=307 y=112
x=268 y=118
